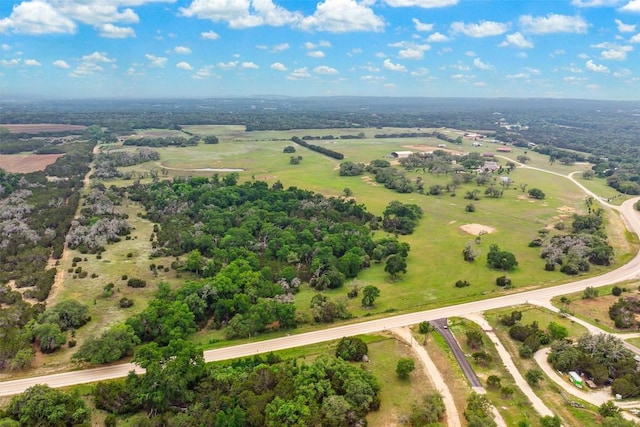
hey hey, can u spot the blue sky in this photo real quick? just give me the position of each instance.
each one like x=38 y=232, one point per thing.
x=211 y=48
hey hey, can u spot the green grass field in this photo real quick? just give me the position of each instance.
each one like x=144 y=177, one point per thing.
x=435 y=261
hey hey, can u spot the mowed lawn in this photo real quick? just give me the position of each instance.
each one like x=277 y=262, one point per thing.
x=435 y=262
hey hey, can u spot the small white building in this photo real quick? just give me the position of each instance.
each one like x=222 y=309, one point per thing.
x=401 y=154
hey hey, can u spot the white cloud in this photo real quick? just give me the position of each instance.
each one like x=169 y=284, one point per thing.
x=553 y=23
x=393 y=67
x=242 y=13
x=477 y=62
x=625 y=28
x=437 y=38
x=481 y=29
x=60 y=64
x=321 y=43
x=635 y=39
x=182 y=50
x=422 y=71
x=110 y=31
x=316 y=54
x=10 y=63
x=624 y=72
x=518 y=76
x=210 y=35
x=380 y=55
x=632 y=6
x=592 y=66
x=32 y=63
x=203 y=72
x=613 y=51
x=342 y=16
x=36 y=17
x=5 y=47
x=426 y=4
x=90 y=64
x=156 y=61
x=421 y=26
x=278 y=66
x=249 y=66
x=299 y=73
x=227 y=65
x=325 y=70
x=583 y=56
x=411 y=53
x=184 y=66
x=280 y=47
x=516 y=40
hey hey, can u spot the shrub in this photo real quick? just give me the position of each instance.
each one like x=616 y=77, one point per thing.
x=462 y=284
x=125 y=277
x=616 y=291
x=125 y=302
x=503 y=281
x=136 y=283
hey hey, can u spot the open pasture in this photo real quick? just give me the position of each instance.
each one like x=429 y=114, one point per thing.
x=25 y=163
x=435 y=260
x=42 y=127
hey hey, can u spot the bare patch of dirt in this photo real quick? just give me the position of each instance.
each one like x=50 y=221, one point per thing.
x=25 y=163
x=369 y=181
x=476 y=229
x=42 y=127
x=566 y=209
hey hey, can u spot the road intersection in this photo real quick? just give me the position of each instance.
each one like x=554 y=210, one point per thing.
x=629 y=271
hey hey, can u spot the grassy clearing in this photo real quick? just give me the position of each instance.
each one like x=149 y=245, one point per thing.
x=513 y=409
x=550 y=393
x=596 y=310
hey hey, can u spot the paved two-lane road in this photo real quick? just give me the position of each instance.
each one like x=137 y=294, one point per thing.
x=628 y=271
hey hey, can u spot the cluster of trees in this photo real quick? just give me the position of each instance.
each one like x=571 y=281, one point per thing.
x=42 y=405
x=351 y=169
x=603 y=358
x=438 y=135
x=318 y=149
x=401 y=218
x=531 y=336
x=39 y=143
x=501 y=260
x=105 y=164
x=585 y=245
x=261 y=391
x=35 y=214
x=624 y=312
x=99 y=223
x=169 y=141
x=360 y=135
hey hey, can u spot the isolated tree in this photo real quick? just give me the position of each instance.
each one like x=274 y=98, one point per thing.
x=474 y=339
x=590 y=292
x=405 y=367
x=395 y=264
x=347 y=192
x=468 y=253
x=503 y=260
x=608 y=409
x=424 y=327
x=352 y=349
x=369 y=295
x=493 y=382
x=536 y=193
x=523 y=159
x=534 y=376
x=588 y=174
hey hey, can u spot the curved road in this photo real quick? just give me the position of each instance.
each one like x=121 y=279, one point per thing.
x=628 y=271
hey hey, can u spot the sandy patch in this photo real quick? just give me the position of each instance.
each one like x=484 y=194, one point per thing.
x=476 y=229
x=566 y=209
x=25 y=163
x=369 y=180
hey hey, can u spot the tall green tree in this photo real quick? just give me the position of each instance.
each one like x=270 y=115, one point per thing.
x=369 y=294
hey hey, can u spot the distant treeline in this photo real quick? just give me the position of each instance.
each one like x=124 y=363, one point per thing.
x=438 y=135
x=361 y=135
x=174 y=141
x=318 y=149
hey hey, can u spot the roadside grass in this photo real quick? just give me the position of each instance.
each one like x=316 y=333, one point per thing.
x=600 y=187
x=547 y=390
x=596 y=310
x=452 y=375
x=513 y=409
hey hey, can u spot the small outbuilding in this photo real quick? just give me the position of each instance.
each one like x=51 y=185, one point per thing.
x=401 y=154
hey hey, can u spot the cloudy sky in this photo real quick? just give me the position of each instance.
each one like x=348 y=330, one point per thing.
x=209 y=48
